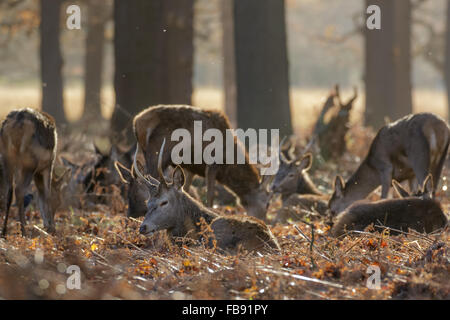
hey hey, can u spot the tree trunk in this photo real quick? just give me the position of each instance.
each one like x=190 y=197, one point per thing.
x=51 y=60
x=447 y=60
x=388 y=64
x=153 y=56
x=256 y=65
x=179 y=51
x=94 y=59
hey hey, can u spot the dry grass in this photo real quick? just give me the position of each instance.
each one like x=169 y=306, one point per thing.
x=117 y=262
x=306 y=103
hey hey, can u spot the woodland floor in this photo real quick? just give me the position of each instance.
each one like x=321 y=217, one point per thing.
x=117 y=262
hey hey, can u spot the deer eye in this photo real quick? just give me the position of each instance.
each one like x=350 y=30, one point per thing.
x=163 y=203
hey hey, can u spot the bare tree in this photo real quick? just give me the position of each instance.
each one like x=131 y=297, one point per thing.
x=388 y=64
x=98 y=13
x=447 y=60
x=153 y=56
x=51 y=60
x=256 y=64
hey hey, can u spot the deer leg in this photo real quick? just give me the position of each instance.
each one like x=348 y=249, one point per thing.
x=23 y=181
x=386 y=180
x=7 y=206
x=8 y=181
x=438 y=170
x=419 y=158
x=42 y=182
x=210 y=174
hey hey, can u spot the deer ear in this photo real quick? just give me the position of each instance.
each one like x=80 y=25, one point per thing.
x=62 y=177
x=428 y=186
x=305 y=162
x=124 y=173
x=67 y=163
x=178 y=177
x=339 y=186
x=401 y=192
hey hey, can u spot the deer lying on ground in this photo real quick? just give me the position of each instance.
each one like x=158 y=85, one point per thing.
x=296 y=187
x=28 y=144
x=156 y=123
x=412 y=147
x=171 y=208
x=420 y=212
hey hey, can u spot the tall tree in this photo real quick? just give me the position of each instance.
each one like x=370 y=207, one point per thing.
x=447 y=60
x=51 y=60
x=153 y=56
x=98 y=12
x=256 y=64
x=388 y=63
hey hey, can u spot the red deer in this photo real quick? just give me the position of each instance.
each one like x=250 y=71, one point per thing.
x=295 y=186
x=156 y=123
x=420 y=212
x=171 y=208
x=28 y=144
x=137 y=192
x=292 y=177
x=413 y=146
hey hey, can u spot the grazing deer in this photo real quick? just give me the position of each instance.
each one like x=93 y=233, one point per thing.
x=420 y=212
x=171 y=208
x=292 y=177
x=103 y=172
x=156 y=123
x=295 y=186
x=28 y=144
x=413 y=146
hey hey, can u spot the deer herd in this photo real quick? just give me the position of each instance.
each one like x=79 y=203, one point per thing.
x=412 y=149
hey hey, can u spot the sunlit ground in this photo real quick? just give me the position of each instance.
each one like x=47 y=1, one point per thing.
x=306 y=103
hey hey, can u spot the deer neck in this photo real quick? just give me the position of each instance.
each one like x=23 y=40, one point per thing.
x=194 y=213
x=242 y=179
x=362 y=182
x=307 y=186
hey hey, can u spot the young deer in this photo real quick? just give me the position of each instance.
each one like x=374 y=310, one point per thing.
x=295 y=186
x=171 y=208
x=28 y=144
x=413 y=146
x=156 y=123
x=420 y=212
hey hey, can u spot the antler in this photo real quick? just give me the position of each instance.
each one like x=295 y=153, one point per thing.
x=160 y=170
x=338 y=94
x=280 y=154
x=154 y=183
x=355 y=95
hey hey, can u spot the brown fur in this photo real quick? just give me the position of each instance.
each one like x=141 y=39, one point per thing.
x=401 y=214
x=419 y=212
x=412 y=147
x=28 y=146
x=292 y=177
x=171 y=208
x=310 y=202
x=155 y=123
x=137 y=193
